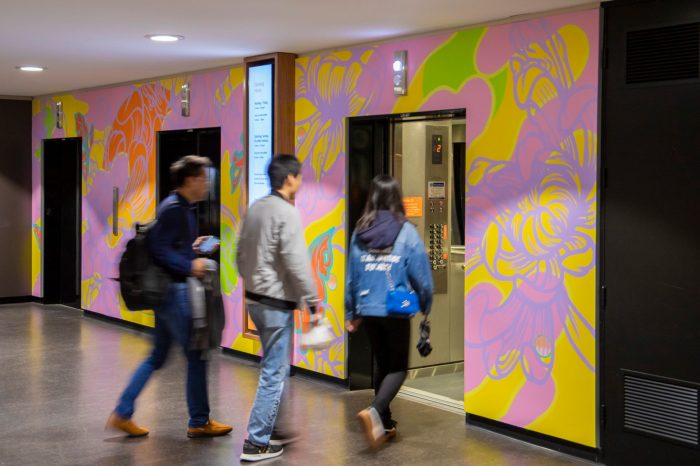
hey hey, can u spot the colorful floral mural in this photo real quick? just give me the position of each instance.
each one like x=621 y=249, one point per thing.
x=530 y=90
x=119 y=127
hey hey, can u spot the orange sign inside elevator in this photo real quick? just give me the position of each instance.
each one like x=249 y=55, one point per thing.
x=413 y=206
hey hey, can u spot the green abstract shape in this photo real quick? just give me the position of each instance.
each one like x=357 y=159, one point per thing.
x=37 y=153
x=229 y=278
x=48 y=121
x=499 y=81
x=454 y=62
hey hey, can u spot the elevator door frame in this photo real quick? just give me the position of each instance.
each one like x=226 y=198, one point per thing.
x=359 y=355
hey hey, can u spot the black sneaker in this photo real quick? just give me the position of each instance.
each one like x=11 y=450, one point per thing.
x=390 y=429
x=283 y=438
x=252 y=452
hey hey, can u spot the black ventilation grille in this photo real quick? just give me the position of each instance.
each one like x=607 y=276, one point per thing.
x=663 y=54
x=661 y=409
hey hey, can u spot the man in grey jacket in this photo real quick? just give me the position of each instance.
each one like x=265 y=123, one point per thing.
x=273 y=260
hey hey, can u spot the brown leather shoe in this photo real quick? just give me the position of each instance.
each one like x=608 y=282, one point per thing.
x=210 y=429
x=127 y=426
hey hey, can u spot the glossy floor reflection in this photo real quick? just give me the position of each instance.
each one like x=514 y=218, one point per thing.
x=62 y=373
x=448 y=385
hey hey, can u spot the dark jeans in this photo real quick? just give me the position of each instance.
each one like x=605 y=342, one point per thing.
x=173 y=323
x=390 y=339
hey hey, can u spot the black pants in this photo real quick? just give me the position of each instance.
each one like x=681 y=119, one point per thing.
x=389 y=338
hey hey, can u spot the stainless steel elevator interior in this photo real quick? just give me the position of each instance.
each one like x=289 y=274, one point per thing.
x=427 y=157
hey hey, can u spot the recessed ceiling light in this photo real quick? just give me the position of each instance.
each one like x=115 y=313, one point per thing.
x=31 y=68
x=164 y=37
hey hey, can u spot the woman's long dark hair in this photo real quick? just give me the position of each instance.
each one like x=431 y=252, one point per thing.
x=384 y=194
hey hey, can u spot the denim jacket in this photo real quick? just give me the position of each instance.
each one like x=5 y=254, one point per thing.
x=367 y=284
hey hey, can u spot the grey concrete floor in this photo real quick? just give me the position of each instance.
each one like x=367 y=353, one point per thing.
x=62 y=373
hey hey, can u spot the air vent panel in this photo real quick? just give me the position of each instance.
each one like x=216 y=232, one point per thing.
x=661 y=409
x=663 y=54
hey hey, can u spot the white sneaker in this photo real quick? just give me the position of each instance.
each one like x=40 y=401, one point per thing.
x=319 y=337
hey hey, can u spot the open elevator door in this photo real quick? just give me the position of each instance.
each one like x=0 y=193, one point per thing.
x=206 y=142
x=423 y=151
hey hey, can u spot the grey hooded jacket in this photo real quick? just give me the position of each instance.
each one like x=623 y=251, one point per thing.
x=271 y=254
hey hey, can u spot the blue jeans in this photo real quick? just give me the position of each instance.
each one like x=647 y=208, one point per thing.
x=173 y=322
x=275 y=327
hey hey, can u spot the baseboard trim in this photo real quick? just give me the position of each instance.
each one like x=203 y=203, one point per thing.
x=294 y=371
x=17 y=300
x=120 y=322
x=535 y=438
x=240 y=354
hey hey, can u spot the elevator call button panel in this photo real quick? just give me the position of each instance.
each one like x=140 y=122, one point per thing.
x=437 y=242
x=437 y=237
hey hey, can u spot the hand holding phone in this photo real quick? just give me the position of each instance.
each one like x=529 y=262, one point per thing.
x=209 y=245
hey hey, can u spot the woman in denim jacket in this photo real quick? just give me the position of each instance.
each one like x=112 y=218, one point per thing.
x=385 y=248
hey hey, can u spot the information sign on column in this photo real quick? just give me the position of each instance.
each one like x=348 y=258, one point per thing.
x=260 y=129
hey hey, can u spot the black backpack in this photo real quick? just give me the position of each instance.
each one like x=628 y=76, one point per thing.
x=142 y=282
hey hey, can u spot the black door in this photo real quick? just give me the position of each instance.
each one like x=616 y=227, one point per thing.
x=368 y=156
x=206 y=142
x=651 y=233
x=61 y=181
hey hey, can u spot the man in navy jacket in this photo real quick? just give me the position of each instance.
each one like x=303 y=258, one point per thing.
x=173 y=243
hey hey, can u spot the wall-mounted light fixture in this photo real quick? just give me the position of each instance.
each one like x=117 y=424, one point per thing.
x=115 y=211
x=185 y=100
x=399 y=72
x=59 y=115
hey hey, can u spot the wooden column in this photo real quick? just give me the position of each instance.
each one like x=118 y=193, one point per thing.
x=282 y=124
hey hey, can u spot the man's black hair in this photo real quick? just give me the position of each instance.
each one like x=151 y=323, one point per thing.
x=188 y=166
x=280 y=168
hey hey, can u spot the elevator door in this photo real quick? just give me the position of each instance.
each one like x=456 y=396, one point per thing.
x=368 y=156
x=419 y=150
x=206 y=142
x=61 y=173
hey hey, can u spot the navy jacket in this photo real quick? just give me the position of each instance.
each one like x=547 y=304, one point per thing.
x=370 y=260
x=166 y=242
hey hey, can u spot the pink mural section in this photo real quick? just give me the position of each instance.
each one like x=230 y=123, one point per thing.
x=118 y=127
x=530 y=90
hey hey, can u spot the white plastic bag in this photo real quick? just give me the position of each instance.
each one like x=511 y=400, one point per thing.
x=319 y=336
